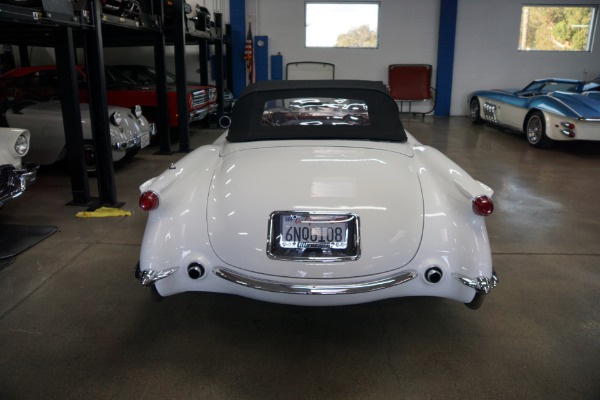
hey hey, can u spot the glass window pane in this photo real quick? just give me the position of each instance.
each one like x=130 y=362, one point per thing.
x=556 y=28
x=350 y=25
x=315 y=111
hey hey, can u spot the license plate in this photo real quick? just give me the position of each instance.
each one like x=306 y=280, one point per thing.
x=307 y=236
x=313 y=231
x=145 y=140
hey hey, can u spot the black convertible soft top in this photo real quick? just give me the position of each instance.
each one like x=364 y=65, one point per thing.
x=247 y=122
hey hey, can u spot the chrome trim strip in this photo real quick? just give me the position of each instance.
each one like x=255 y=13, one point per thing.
x=481 y=284
x=318 y=289
x=150 y=276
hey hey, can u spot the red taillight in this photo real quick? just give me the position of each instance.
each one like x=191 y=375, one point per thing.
x=483 y=206
x=148 y=200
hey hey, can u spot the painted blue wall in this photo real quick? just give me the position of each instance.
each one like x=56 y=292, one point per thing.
x=261 y=58
x=445 y=58
x=237 y=17
x=445 y=66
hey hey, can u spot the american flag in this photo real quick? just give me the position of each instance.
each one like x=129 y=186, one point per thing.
x=249 y=54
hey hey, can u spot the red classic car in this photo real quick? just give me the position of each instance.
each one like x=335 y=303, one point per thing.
x=27 y=82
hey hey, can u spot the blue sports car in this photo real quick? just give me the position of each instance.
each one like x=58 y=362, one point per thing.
x=546 y=110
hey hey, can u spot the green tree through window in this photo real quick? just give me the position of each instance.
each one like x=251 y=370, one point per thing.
x=554 y=28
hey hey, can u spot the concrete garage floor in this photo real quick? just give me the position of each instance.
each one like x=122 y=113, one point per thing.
x=74 y=324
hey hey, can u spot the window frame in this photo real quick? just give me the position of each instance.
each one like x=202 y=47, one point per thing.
x=521 y=46
x=335 y=2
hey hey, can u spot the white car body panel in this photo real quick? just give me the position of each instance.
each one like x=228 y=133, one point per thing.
x=220 y=219
x=178 y=232
x=326 y=178
x=44 y=121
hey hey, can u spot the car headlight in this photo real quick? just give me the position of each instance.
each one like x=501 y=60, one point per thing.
x=137 y=110
x=116 y=118
x=22 y=145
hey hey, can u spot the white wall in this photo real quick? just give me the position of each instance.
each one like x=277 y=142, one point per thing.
x=486 y=54
x=407 y=35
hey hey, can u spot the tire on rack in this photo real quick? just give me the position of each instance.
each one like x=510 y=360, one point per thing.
x=535 y=130
x=133 y=10
x=475 y=111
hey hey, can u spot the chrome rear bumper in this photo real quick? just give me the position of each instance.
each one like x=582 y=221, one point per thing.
x=323 y=289
x=481 y=284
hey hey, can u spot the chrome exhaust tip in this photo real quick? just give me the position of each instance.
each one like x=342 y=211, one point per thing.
x=433 y=275
x=195 y=271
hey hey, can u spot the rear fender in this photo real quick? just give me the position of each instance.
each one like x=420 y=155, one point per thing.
x=549 y=104
x=452 y=230
x=176 y=233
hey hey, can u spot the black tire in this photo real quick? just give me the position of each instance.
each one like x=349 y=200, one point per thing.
x=535 y=131
x=475 y=111
x=130 y=153
x=476 y=302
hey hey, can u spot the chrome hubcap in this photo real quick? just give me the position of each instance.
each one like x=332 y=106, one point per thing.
x=534 y=129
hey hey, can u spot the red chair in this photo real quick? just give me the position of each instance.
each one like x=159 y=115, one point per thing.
x=411 y=83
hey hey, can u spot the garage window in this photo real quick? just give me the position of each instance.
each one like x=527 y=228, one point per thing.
x=343 y=25
x=557 y=28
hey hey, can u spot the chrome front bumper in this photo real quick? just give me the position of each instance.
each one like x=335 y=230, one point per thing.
x=200 y=114
x=136 y=141
x=14 y=181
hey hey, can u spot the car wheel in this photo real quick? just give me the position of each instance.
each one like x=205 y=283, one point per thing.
x=89 y=153
x=476 y=302
x=475 y=111
x=535 y=130
x=132 y=10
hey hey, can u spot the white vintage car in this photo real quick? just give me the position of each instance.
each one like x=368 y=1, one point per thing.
x=129 y=131
x=15 y=176
x=324 y=205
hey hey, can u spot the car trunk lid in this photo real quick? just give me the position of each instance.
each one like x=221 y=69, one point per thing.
x=378 y=185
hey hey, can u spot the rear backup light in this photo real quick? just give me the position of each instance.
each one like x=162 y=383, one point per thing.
x=483 y=205
x=568 y=125
x=148 y=200
x=567 y=129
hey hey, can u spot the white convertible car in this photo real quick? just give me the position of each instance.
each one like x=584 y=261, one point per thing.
x=331 y=203
x=15 y=176
x=129 y=131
